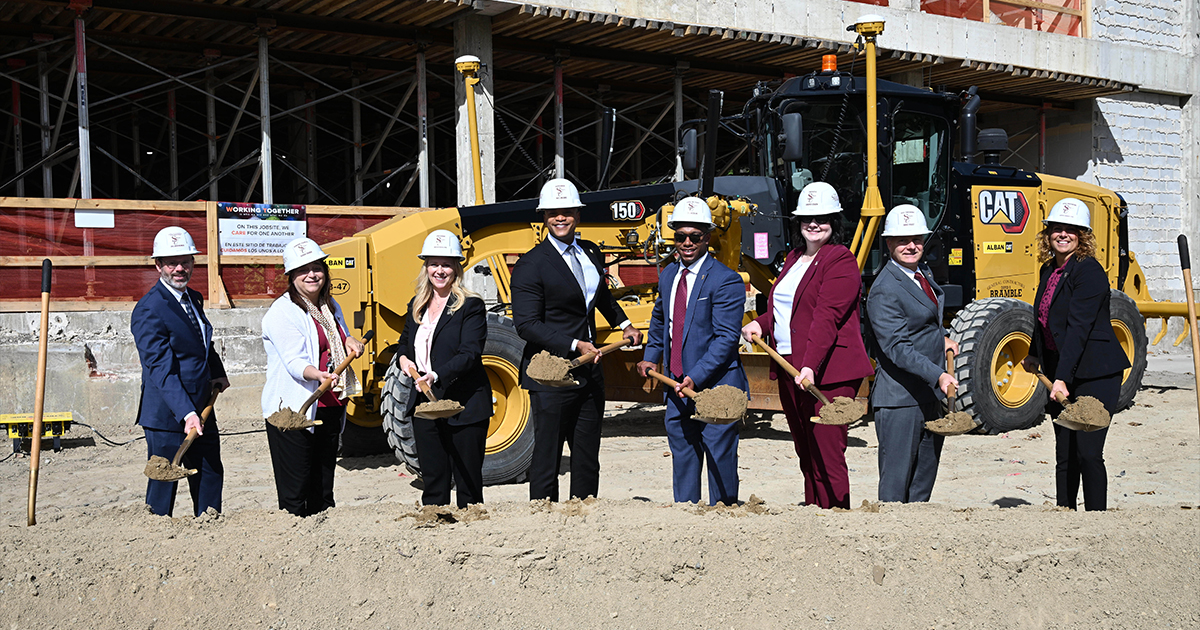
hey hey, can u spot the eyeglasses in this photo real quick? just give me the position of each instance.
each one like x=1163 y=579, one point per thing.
x=694 y=237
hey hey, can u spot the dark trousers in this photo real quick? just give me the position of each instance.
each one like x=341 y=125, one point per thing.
x=692 y=442
x=570 y=416
x=821 y=448
x=908 y=454
x=204 y=455
x=1080 y=454
x=450 y=451
x=304 y=463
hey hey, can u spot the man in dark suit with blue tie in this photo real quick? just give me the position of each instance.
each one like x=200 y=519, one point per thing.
x=557 y=287
x=180 y=369
x=695 y=329
x=905 y=311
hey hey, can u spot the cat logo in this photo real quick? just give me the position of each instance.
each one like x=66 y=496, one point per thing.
x=1006 y=208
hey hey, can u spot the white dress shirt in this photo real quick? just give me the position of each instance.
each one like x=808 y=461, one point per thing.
x=591 y=277
x=782 y=302
x=912 y=275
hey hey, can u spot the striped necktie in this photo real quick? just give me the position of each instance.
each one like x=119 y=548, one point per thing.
x=187 y=308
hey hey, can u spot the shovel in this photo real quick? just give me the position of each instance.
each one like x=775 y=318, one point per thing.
x=431 y=410
x=566 y=380
x=843 y=412
x=715 y=406
x=955 y=422
x=1088 y=421
x=288 y=420
x=1185 y=265
x=35 y=443
x=159 y=469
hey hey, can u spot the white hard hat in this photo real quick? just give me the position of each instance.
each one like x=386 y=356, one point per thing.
x=817 y=198
x=301 y=251
x=173 y=241
x=1070 y=211
x=691 y=210
x=558 y=194
x=905 y=220
x=441 y=243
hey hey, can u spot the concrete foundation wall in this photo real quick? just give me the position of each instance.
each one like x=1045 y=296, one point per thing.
x=1144 y=23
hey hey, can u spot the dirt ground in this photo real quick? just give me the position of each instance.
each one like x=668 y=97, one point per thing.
x=989 y=552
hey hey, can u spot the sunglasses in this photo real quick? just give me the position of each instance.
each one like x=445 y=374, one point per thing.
x=694 y=237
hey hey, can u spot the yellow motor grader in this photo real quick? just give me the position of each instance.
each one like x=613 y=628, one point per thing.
x=817 y=127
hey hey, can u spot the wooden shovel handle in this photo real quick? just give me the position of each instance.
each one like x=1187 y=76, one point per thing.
x=327 y=383
x=951 y=391
x=687 y=391
x=422 y=386
x=191 y=436
x=588 y=356
x=790 y=369
x=1062 y=400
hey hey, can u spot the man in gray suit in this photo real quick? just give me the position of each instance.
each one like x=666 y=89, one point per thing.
x=905 y=312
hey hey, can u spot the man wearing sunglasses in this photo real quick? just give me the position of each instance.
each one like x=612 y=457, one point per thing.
x=694 y=331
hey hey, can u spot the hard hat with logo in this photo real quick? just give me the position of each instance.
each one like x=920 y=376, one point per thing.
x=817 y=199
x=691 y=210
x=1070 y=211
x=173 y=241
x=559 y=194
x=441 y=243
x=905 y=220
x=299 y=252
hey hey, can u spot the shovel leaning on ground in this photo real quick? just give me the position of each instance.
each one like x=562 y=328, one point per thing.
x=567 y=366
x=434 y=409
x=159 y=469
x=1185 y=265
x=288 y=420
x=839 y=412
x=1088 y=419
x=35 y=443
x=718 y=405
x=955 y=422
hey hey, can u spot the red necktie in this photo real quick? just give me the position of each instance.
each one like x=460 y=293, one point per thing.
x=925 y=285
x=678 y=315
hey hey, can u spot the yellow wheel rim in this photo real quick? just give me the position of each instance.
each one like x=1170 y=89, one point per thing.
x=1125 y=338
x=510 y=404
x=1012 y=385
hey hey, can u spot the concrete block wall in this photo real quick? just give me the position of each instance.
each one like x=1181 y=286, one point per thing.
x=1146 y=23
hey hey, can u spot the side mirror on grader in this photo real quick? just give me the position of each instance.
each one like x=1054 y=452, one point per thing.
x=793 y=133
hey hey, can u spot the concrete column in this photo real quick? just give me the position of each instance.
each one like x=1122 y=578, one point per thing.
x=473 y=36
x=264 y=113
x=680 y=68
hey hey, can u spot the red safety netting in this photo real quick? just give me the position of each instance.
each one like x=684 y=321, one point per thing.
x=40 y=232
x=1044 y=19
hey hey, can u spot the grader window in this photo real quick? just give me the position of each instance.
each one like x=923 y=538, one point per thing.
x=920 y=163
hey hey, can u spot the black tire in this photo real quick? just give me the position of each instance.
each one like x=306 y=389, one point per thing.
x=993 y=336
x=1130 y=328
x=510 y=434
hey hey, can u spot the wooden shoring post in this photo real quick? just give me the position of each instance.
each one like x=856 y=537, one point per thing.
x=216 y=293
x=422 y=131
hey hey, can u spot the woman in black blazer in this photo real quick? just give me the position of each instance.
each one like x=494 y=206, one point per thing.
x=444 y=333
x=1074 y=341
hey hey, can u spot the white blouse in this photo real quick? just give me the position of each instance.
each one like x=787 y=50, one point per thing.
x=783 y=299
x=423 y=342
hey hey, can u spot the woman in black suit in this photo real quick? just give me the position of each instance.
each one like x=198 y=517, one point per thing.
x=1074 y=341
x=444 y=333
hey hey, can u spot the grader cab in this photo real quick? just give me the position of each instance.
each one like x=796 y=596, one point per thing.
x=879 y=144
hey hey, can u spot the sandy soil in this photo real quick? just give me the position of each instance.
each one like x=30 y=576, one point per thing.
x=988 y=553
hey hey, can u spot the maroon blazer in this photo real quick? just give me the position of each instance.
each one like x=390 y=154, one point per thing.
x=825 y=327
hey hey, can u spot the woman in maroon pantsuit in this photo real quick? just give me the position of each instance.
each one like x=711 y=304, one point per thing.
x=817 y=295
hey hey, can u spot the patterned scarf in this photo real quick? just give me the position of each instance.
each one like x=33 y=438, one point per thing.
x=347 y=385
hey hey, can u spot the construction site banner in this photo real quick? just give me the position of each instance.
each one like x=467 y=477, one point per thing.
x=257 y=229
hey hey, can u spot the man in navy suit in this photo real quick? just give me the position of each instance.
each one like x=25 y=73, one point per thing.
x=180 y=370
x=694 y=331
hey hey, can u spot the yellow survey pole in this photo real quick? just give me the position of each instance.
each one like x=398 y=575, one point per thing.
x=469 y=65
x=869 y=27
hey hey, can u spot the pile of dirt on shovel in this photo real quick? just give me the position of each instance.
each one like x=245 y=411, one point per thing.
x=723 y=402
x=547 y=367
x=287 y=420
x=160 y=469
x=840 y=411
x=1087 y=411
x=955 y=423
x=439 y=405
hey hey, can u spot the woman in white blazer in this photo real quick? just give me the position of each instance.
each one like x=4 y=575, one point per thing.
x=306 y=337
